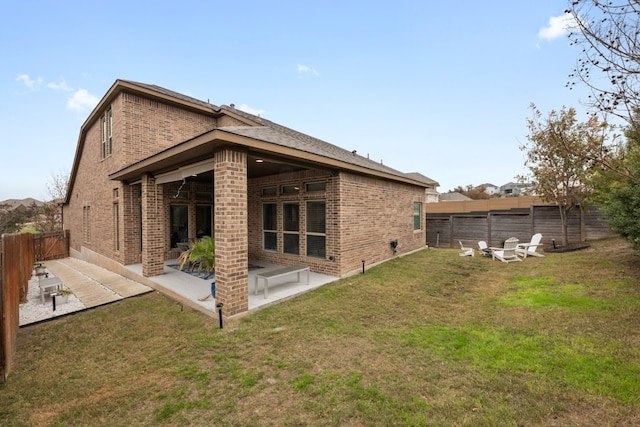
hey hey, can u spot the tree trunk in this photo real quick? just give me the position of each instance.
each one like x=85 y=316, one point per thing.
x=564 y=218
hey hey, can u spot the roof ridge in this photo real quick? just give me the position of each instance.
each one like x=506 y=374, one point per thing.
x=172 y=93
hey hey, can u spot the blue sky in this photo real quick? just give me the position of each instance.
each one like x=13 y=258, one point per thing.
x=440 y=88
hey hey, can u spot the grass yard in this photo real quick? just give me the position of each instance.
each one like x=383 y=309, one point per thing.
x=428 y=339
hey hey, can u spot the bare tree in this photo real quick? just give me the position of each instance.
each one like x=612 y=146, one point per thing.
x=50 y=218
x=607 y=31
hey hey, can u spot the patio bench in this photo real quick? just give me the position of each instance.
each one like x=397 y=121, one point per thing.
x=280 y=272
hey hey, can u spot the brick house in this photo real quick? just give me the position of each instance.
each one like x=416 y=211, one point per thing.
x=153 y=168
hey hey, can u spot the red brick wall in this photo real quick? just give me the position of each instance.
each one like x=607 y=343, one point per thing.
x=141 y=127
x=149 y=126
x=372 y=213
x=363 y=216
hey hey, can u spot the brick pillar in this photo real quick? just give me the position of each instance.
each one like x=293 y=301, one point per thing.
x=130 y=220
x=231 y=236
x=152 y=228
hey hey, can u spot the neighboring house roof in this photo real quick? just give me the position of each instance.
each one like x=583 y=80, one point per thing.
x=15 y=203
x=257 y=129
x=453 y=197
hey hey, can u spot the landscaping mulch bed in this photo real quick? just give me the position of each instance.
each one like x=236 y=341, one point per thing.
x=568 y=248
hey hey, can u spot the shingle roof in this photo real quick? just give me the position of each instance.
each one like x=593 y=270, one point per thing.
x=274 y=133
x=419 y=177
x=282 y=135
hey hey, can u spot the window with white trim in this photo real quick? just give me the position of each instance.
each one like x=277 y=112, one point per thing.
x=417 y=216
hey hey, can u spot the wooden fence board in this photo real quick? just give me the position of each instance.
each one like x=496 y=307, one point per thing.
x=17 y=264
x=17 y=255
x=445 y=229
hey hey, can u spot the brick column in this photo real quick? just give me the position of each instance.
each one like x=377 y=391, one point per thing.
x=152 y=228
x=130 y=220
x=231 y=236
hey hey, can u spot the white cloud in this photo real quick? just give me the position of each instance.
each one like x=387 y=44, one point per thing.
x=28 y=82
x=59 y=86
x=558 y=26
x=303 y=69
x=81 y=100
x=247 y=109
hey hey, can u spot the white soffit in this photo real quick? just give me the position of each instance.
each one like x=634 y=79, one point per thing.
x=185 y=172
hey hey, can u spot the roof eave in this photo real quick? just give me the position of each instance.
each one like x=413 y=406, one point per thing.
x=210 y=141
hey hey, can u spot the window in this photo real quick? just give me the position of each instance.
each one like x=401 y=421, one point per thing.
x=417 y=216
x=179 y=217
x=106 y=130
x=86 y=223
x=204 y=195
x=269 y=227
x=315 y=186
x=290 y=189
x=269 y=191
x=203 y=221
x=116 y=224
x=291 y=228
x=316 y=229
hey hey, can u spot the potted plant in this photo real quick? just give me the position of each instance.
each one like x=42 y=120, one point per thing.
x=62 y=296
x=201 y=255
x=39 y=269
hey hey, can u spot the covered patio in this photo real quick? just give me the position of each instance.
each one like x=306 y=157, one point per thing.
x=195 y=292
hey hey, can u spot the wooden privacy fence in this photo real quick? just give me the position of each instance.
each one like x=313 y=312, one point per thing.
x=18 y=252
x=495 y=226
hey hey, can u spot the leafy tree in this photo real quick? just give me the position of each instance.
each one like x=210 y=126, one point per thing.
x=12 y=220
x=475 y=193
x=557 y=174
x=618 y=196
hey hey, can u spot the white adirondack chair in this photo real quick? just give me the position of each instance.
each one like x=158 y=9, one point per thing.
x=525 y=249
x=508 y=252
x=464 y=251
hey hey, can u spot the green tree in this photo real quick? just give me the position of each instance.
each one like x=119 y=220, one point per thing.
x=618 y=195
x=475 y=193
x=12 y=220
x=557 y=174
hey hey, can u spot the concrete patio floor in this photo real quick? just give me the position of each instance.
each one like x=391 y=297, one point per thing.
x=94 y=286
x=191 y=290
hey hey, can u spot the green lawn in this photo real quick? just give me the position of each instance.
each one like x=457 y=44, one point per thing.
x=427 y=339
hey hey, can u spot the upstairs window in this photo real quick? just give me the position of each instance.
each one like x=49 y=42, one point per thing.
x=106 y=131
